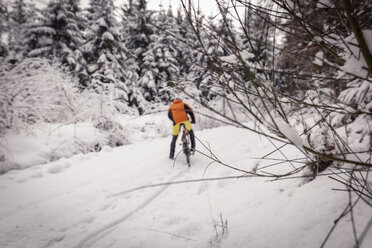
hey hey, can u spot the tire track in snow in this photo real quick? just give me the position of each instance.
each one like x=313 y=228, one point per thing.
x=93 y=237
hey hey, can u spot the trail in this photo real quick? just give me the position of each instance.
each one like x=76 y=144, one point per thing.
x=93 y=237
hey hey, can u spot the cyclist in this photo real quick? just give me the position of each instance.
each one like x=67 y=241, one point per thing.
x=179 y=112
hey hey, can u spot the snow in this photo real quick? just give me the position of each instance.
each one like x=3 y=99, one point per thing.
x=324 y=4
x=290 y=133
x=319 y=56
x=105 y=199
x=355 y=63
x=91 y=68
x=108 y=36
x=102 y=23
x=245 y=55
x=357 y=94
x=48 y=143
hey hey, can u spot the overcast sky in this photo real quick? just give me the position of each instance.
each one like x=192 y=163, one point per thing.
x=207 y=6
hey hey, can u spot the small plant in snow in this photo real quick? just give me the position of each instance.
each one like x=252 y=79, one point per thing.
x=117 y=135
x=221 y=232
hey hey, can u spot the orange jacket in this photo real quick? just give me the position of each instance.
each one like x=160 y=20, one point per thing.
x=178 y=112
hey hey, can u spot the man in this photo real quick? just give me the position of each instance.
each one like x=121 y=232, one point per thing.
x=179 y=113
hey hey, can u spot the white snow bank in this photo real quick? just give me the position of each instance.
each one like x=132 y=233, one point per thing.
x=48 y=143
x=44 y=143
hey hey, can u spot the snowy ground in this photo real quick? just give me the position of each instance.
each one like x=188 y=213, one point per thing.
x=86 y=200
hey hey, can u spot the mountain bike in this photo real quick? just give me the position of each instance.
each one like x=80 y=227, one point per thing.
x=186 y=143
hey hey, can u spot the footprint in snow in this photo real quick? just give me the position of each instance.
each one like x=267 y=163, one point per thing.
x=33 y=168
x=104 y=207
x=59 y=167
x=12 y=172
x=202 y=188
x=221 y=183
x=55 y=240
x=55 y=169
x=88 y=220
x=22 y=180
x=37 y=175
x=174 y=221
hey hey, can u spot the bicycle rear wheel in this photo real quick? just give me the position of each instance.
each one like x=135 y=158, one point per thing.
x=188 y=160
x=186 y=146
x=186 y=150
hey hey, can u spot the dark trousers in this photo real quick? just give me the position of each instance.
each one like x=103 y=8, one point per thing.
x=174 y=139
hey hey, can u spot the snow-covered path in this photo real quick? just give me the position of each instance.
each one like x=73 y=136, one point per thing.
x=83 y=201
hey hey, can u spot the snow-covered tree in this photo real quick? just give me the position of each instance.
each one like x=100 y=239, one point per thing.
x=136 y=34
x=4 y=32
x=137 y=29
x=55 y=34
x=19 y=15
x=160 y=60
x=105 y=53
x=186 y=43
x=22 y=12
x=306 y=40
x=256 y=37
x=207 y=50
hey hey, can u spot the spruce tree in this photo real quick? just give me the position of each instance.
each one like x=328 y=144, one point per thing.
x=256 y=37
x=4 y=28
x=104 y=52
x=131 y=63
x=160 y=60
x=55 y=34
x=136 y=32
x=186 y=45
x=19 y=15
x=202 y=71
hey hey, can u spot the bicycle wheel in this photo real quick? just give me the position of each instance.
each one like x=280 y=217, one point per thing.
x=188 y=160
x=186 y=150
x=185 y=146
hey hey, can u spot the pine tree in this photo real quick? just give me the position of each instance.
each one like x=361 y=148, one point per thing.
x=55 y=34
x=4 y=29
x=160 y=59
x=138 y=29
x=202 y=70
x=304 y=40
x=131 y=64
x=104 y=51
x=256 y=37
x=136 y=34
x=187 y=44
x=256 y=42
x=22 y=12
x=311 y=46
x=19 y=15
